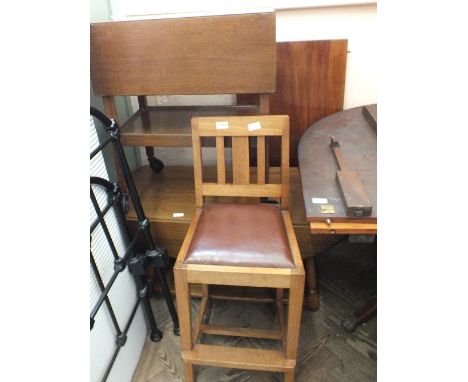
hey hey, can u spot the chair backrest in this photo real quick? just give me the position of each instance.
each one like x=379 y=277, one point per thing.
x=240 y=129
x=231 y=54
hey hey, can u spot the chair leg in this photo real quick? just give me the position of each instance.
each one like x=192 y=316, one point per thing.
x=206 y=293
x=183 y=308
x=289 y=377
x=188 y=372
x=312 y=297
x=296 y=295
x=279 y=294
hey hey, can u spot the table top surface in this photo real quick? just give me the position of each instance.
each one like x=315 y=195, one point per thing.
x=358 y=142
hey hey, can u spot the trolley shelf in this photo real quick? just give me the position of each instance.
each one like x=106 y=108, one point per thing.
x=170 y=126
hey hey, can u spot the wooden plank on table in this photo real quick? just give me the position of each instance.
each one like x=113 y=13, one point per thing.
x=353 y=195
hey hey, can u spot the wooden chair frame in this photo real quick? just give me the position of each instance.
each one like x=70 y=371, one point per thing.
x=279 y=278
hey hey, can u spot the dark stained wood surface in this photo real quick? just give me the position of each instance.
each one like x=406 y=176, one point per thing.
x=350 y=186
x=352 y=193
x=318 y=167
x=310 y=80
x=195 y=55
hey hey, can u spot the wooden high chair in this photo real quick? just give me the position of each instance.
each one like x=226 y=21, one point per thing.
x=240 y=244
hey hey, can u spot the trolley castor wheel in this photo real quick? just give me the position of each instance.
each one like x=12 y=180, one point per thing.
x=156 y=164
x=350 y=324
x=125 y=204
x=156 y=336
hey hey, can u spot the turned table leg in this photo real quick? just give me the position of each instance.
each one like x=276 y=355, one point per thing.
x=311 y=297
x=364 y=314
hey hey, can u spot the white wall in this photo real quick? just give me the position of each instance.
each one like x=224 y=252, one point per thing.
x=357 y=24
x=100 y=10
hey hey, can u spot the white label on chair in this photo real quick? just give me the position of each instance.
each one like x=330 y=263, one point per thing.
x=177 y=214
x=222 y=125
x=254 y=126
x=320 y=200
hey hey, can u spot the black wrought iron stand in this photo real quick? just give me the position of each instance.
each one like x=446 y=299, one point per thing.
x=137 y=263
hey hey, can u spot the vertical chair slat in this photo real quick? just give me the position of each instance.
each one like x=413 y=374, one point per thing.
x=261 y=160
x=197 y=165
x=240 y=132
x=265 y=109
x=220 y=161
x=240 y=160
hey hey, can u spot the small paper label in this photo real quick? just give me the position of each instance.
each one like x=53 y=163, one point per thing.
x=177 y=214
x=320 y=200
x=254 y=126
x=222 y=125
x=327 y=209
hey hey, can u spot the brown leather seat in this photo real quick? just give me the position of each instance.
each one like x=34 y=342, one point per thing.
x=243 y=245
x=246 y=235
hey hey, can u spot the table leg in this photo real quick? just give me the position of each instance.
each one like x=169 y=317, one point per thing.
x=364 y=314
x=312 y=297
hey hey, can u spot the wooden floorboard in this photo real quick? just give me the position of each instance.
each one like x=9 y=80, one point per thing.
x=347 y=278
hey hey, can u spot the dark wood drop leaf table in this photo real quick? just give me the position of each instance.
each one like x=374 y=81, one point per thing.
x=330 y=210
